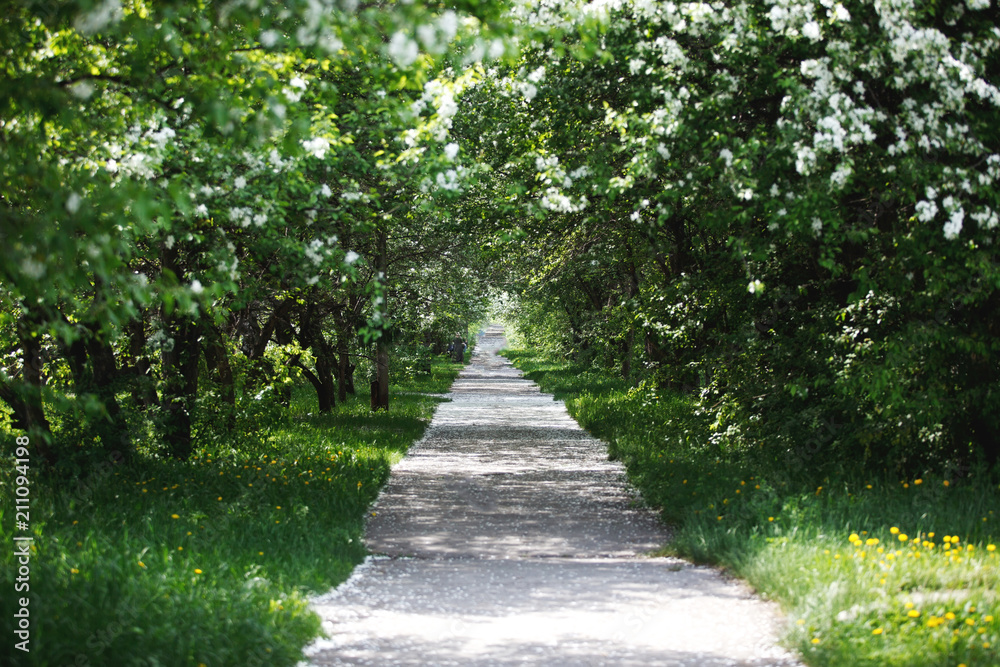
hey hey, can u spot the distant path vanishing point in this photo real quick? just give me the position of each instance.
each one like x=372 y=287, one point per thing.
x=506 y=537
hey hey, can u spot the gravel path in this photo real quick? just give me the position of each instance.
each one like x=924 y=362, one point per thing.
x=506 y=537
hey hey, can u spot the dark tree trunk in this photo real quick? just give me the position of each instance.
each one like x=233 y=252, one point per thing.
x=380 y=388
x=627 y=352
x=217 y=359
x=112 y=430
x=327 y=390
x=143 y=388
x=26 y=400
x=344 y=371
x=180 y=369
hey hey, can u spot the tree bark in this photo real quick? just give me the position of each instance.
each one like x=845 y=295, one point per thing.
x=104 y=377
x=217 y=359
x=380 y=388
x=144 y=390
x=26 y=400
x=180 y=371
x=380 y=391
x=180 y=368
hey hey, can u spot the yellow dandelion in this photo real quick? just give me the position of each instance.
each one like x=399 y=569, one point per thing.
x=918 y=481
x=877 y=631
x=770 y=518
x=180 y=548
x=74 y=570
x=902 y=537
x=913 y=613
x=141 y=564
x=894 y=530
x=175 y=516
x=815 y=640
x=946 y=483
x=991 y=547
x=197 y=571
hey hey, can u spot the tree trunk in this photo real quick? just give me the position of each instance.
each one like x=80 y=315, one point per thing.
x=380 y=388
x=180 y=369
x=217 y=359
x=26 y=400
x=112 y=430
x=627 y=352
x=344 y=371
x=144 y=389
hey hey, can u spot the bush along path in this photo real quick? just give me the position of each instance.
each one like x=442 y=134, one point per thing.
x=506 y=537
x=871 y=569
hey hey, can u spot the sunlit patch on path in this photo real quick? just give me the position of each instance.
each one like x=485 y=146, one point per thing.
x=506 y=537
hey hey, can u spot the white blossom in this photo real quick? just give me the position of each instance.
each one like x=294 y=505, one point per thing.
x=317 y=146
x=403 y=49
x=451 y=151
x=73 y=202
x=926 y=210
x=82 y=90
x=953 y=227
x=269 y=38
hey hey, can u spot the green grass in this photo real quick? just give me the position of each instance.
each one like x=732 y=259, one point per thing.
x=922 y=602
x=208 y=561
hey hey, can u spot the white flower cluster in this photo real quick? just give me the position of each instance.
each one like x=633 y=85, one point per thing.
x=244 y=217
x=553 y=199
x=794 y=18
x=317 y=147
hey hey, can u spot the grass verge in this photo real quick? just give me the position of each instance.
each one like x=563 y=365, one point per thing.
x=870 y=571
x=207 y=562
